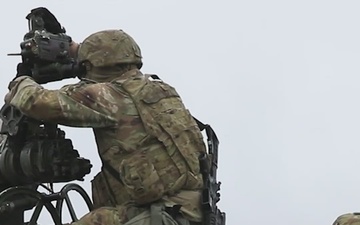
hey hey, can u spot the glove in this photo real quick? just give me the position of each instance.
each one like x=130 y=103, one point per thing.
x=23 y=69
x=51 y=24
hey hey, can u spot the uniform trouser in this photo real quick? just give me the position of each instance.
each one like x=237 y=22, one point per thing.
x=157 y=215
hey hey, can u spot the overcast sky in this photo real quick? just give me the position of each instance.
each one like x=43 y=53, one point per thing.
x=277 y=80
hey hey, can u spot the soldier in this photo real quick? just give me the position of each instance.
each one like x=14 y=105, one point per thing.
x=348 y=219
x=147 y=140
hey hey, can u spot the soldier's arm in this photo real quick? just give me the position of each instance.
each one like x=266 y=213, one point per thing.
x=65 y=106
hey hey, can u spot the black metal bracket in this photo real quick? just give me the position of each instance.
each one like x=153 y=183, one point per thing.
x=14 y=201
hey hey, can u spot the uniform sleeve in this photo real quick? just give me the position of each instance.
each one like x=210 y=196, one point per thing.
x=65 y=106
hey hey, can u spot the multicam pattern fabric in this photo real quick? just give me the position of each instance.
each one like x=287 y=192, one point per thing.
x=109 y=47
x=165 y=117
x=115 y=216
x=348 y=219
x=142 y=130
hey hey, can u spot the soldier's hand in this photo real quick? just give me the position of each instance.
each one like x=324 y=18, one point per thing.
x=51 y=24
x=23 y=69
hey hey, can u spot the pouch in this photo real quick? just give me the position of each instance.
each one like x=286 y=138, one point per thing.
x=140 y=179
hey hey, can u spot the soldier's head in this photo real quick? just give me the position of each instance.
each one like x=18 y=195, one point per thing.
x=109 y=53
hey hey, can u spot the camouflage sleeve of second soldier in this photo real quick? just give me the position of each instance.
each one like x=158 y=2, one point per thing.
x=57 y=106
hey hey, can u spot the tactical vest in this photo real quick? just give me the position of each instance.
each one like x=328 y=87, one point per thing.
x=147 y=175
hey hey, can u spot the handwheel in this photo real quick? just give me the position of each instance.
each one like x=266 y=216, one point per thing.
x=65 y=196
x=15 y=200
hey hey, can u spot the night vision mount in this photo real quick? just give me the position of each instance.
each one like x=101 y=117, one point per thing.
x=47 y=54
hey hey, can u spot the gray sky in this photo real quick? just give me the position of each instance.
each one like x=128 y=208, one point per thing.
x=277 y=80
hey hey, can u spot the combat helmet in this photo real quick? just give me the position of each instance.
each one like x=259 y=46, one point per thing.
x=108 y=48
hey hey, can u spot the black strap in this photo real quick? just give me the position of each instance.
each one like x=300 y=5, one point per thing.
x=200 y=124
x=113 y=173
x=111 y=170
x=109 y=189
x=210 y=133
x=154 y=76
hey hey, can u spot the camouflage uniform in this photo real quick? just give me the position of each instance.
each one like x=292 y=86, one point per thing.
x=142 y=129
x=348 y=219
